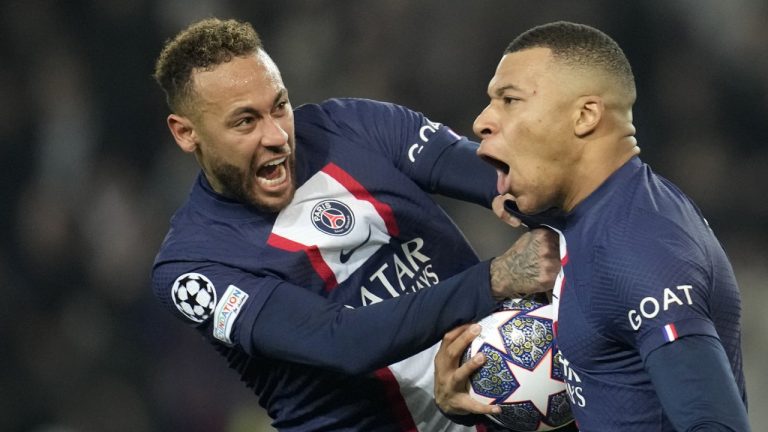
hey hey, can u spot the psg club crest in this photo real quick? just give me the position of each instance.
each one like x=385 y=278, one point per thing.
x=333 y=217
x=194 y=296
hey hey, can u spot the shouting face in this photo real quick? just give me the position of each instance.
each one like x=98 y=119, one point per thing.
x=241 y=130
x=526 y=130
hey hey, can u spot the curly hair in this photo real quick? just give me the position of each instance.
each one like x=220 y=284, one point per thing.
x=203 y=45
x=579 y=45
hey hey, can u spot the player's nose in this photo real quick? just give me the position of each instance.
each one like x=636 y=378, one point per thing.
x=273 y=133
x=485 y=124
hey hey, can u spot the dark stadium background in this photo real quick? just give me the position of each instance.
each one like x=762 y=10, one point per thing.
x=90 y=175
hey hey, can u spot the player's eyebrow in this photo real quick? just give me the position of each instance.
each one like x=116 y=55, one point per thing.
x=499 y=91
x=247 y=109
x=282 y=93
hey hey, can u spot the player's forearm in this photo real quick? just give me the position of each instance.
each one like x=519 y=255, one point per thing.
x=358 y=341
x=459 y=173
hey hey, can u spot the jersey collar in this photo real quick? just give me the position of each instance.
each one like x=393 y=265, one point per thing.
x=614 y=185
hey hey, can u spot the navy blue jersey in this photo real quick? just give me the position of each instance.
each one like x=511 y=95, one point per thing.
x=322 y=307
x=642 y=269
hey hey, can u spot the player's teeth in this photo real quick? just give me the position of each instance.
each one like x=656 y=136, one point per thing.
x=280 y=178
x=275 y=162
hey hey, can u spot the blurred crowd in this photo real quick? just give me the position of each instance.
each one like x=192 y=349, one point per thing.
x=91 y=176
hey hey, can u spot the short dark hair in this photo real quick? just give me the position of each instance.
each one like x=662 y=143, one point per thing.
x=203 y=45
x=578 y=45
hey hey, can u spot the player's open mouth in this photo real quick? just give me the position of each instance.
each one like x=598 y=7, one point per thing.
x=502 y=169
x=272 y=173
x=499 y=165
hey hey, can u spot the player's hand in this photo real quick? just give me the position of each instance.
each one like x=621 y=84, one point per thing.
x=451 y=389
x=501 y=213
x=530 y=266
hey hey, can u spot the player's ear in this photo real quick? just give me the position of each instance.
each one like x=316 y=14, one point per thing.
x=589 y=112
x=183 y=132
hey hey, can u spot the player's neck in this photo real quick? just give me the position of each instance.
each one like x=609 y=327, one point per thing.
x=595 y=168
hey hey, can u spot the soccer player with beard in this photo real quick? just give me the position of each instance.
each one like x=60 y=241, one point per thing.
x=309 y=251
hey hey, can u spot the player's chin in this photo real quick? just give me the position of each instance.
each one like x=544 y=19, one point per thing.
x=274 y=200
x=275 y=193
x=526 y=204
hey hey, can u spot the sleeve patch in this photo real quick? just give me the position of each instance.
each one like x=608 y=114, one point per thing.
x=673 y=331
x=194 y=296
x=670 y=332
x=226 y=312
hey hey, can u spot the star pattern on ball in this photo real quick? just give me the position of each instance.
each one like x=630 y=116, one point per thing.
x=490 y=333
x=522 y=371
x=535 y=385
x=544 y=312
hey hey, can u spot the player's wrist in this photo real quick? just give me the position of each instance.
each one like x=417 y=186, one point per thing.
x=501 y=286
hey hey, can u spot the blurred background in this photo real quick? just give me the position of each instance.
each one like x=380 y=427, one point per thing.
x=90 y=174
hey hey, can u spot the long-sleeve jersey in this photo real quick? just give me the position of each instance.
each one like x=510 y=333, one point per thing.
x=648 y=312
x=332 y=309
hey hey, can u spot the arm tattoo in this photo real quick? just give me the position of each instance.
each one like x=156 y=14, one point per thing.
x=517 y=271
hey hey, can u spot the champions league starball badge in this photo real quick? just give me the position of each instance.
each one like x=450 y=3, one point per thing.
x=194 y=296
x=333 y=217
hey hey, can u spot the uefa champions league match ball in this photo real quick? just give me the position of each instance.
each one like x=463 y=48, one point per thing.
x=522 y=373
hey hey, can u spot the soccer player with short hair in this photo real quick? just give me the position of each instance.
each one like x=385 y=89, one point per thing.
x=647 y=304
x=309 y=251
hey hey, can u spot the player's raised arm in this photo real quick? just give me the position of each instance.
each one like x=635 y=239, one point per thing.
x=431 y=154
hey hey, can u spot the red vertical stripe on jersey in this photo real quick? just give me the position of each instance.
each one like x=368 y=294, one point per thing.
x=325 y=272
x=396 y=401
x=313 y=253
x=361 y=193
